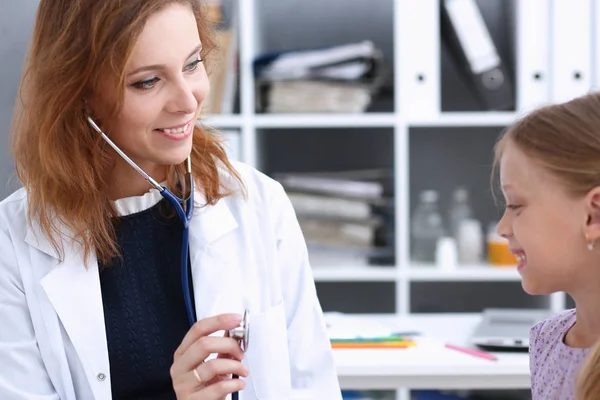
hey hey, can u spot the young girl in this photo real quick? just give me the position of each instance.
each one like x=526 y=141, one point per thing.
x=94 y=302
x=550 y=177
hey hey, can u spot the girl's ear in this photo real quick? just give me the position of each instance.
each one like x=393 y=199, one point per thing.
x=592 y=217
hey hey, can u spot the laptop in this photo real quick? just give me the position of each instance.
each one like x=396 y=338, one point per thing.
x=506 y=329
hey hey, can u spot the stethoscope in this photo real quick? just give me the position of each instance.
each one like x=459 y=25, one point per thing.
x=184 y=209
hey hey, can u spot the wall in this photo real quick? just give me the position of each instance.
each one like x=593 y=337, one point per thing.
x=16 y=24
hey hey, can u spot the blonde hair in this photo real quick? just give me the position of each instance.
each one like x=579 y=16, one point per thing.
x=588 y=380
x=64 y=165
x=563 y=138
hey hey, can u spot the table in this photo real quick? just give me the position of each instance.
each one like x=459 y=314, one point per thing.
x=429 y=365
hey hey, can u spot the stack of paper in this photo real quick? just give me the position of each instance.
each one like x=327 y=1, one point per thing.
x=332 y=79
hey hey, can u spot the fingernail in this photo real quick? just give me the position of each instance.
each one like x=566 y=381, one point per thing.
x=246 y=371
x=237 y=318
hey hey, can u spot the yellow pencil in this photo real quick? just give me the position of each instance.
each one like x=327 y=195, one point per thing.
x=373 y=345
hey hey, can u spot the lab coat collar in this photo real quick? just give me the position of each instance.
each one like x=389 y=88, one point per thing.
x=73 y=286
x=210 y=222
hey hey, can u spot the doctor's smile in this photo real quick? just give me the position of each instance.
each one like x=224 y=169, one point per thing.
x=179 y=132
x=139 y=261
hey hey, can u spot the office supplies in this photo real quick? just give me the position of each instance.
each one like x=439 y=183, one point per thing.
x=373 y=345
x=419 y=49
x=596 y=43
x=571 y=49
x=382 y=339
x=533 y=53
x=468 y=37
x=473 y=352
x=506 y=329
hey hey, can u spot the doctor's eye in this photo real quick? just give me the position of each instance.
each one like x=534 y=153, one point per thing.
x=193 y=65
x=146 y=85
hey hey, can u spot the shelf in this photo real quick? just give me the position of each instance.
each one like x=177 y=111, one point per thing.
x=354 y=274
x=325 y=120
x=223 y=121
x=423 y=273
x=488 y=118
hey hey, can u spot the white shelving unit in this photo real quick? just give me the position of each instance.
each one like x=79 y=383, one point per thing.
x=424 y=273
x=249 y=123
x=410 y=18
x=355 y=274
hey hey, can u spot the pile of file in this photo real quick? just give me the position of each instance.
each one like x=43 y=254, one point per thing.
x=338 y=79
x=346 y=217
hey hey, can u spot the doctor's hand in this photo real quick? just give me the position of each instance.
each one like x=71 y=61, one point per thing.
x=196 y=379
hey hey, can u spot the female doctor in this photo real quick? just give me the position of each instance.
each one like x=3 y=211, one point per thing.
x=92 y=301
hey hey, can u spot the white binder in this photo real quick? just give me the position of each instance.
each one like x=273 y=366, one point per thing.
x=418 y=58
x=571 y=33
x=533 y=54
x=467 y=36
x=596 y=46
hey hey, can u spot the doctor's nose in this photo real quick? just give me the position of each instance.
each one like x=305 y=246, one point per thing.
x=183 y=99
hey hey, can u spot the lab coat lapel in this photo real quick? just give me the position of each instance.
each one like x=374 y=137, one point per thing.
x=73 y=288
x=215 y=255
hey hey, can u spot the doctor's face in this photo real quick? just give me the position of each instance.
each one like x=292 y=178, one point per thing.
x=165 y=84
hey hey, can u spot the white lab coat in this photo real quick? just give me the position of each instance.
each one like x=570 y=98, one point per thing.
x=245 y=253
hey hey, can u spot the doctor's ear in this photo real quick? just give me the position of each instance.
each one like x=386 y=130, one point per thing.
x=87 y=108
x=592 y=218
x=89 y=115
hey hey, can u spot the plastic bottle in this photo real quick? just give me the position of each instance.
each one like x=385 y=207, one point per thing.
x=470 y=242
x=427 y=228
x=446 y=254
x=459 y=210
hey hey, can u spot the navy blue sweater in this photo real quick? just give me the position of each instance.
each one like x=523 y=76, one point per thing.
x=144 y=309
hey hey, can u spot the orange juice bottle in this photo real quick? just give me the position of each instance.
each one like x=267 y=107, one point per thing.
x=498 y=251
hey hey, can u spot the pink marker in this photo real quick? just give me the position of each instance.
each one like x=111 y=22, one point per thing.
x=473 y=352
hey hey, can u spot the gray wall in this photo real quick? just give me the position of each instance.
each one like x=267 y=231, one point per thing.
x=16 y=23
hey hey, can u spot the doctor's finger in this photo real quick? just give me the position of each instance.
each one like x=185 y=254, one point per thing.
x=219 y=367
x=205 y=346
x=206 y=327
x=219 y=390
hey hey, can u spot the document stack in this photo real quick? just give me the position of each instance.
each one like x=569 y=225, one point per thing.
x=346 y=217
x=339 y=79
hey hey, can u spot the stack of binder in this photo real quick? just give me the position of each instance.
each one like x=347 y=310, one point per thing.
x=346 y=217
x=338 y=79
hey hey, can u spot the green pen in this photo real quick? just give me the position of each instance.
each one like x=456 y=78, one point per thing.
x=380 y=339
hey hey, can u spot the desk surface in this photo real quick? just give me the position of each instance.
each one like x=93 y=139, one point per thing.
x=429 y=365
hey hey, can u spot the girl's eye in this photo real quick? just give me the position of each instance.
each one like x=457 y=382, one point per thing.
x=145 y=85
x=513 y=207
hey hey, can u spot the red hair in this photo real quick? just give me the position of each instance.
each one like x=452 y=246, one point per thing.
x=63 y=164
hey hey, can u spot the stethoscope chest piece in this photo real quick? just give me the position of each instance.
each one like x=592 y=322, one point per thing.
x=241 y=333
